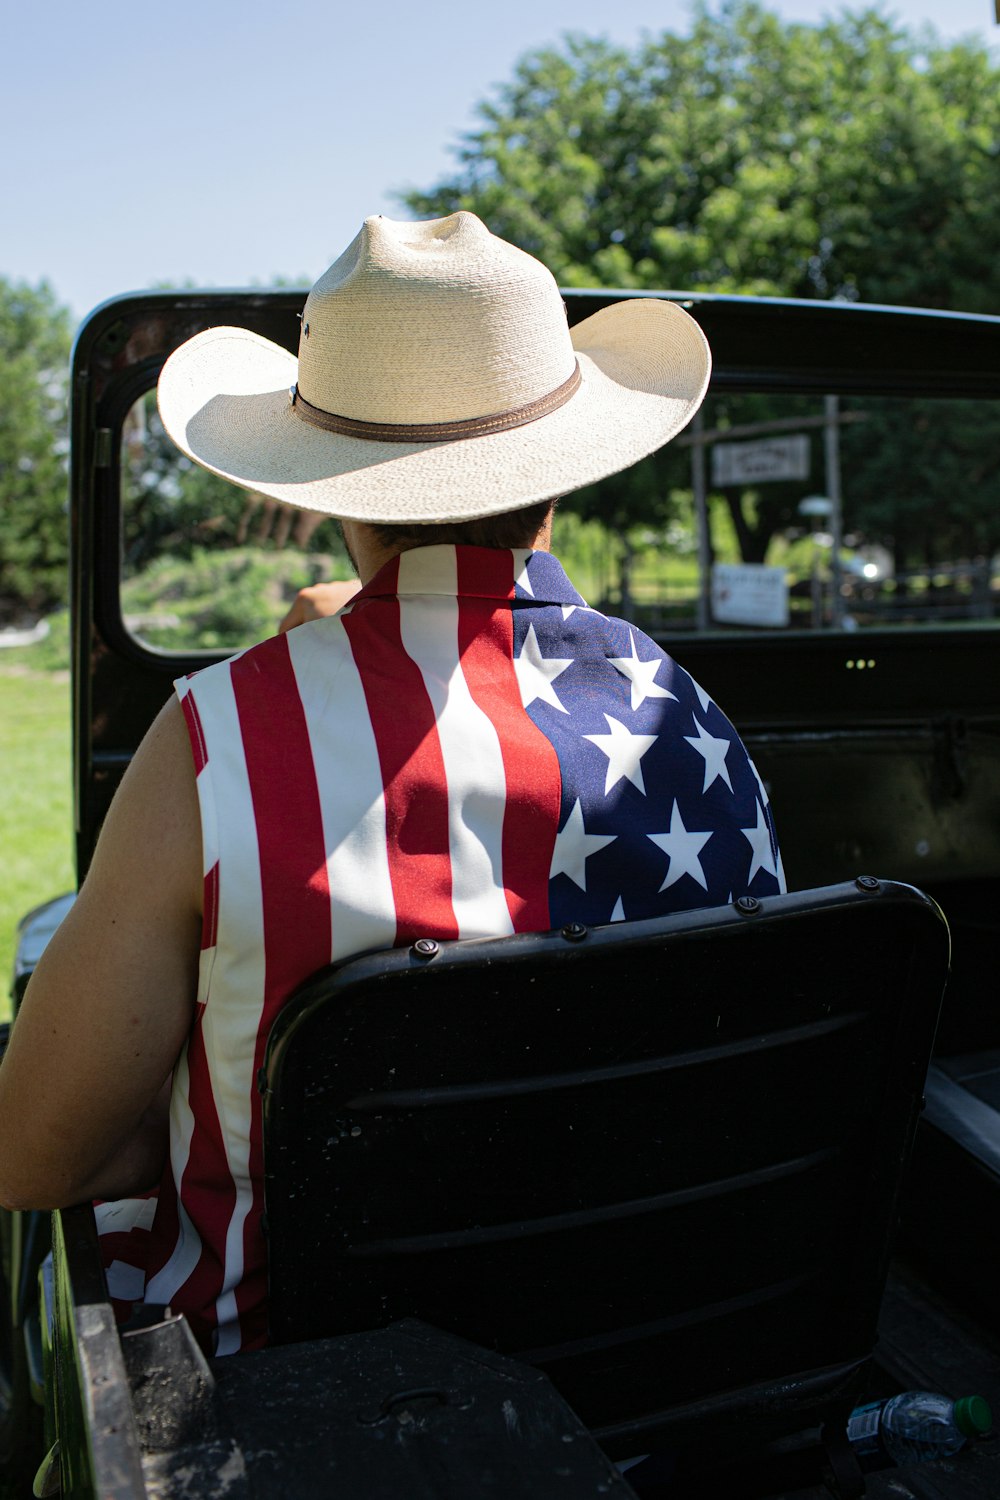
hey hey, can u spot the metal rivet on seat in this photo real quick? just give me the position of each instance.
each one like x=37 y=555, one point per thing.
x=867 y=883
x=424 y=948
x=574 y=932
x=747 y=905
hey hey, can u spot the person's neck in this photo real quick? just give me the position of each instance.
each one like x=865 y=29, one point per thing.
x=369 y=554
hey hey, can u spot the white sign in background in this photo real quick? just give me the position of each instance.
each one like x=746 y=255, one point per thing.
x=749 y=594
x=759 y=462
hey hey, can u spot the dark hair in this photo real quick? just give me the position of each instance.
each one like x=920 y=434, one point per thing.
x=512 y=528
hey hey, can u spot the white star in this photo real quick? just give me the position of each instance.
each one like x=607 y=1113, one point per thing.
x=536 y=673
x=763 y=789
x=714 y=752
x=641 y=674
x=703 y=697
x=618 y=915
x=574 y=846
x=568 y=609
x=682 y=849
x=522 y=556
x=624 y=752
x=760 y=842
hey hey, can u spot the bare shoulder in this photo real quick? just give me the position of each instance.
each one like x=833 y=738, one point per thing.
x=110 y=1004
x=153 y=821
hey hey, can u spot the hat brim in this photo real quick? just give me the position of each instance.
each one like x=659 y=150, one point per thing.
x=645 y=365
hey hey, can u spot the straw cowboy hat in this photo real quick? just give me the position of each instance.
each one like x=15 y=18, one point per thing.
x=437 y=380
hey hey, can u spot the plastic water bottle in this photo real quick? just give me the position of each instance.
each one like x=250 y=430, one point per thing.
x=916 y=1427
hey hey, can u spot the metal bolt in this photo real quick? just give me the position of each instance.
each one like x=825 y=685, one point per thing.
x=424 y=948
x=574 y=932
x=867 y=883
x=747 y=905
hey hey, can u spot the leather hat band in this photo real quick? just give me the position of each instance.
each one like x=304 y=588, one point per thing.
x=435 y=432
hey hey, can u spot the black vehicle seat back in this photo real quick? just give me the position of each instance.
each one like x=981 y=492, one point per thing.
x=661 y=1160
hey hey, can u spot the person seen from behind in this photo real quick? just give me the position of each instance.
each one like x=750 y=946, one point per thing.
x=464 y=748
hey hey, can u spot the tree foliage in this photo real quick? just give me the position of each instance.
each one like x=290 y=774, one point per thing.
x=34 y=354
x=929 y=472
x=850 y=159
x=845 y=159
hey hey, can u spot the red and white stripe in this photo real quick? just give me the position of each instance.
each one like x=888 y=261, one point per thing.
x=363 y=780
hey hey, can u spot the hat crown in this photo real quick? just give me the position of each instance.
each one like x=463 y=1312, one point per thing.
x=436 y=321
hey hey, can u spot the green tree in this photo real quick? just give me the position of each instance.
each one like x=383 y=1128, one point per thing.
x=34 y=540
x=928 y=474
x=849 y=159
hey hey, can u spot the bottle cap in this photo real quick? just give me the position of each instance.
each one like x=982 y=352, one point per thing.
x=973 y=1416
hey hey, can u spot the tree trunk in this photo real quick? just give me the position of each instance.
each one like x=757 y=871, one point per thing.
x=752 y=543
x=625 y=576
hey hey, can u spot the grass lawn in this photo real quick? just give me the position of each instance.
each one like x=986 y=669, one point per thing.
x=36 y=824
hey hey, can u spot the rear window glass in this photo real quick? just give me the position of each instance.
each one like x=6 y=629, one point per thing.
x=774 y=514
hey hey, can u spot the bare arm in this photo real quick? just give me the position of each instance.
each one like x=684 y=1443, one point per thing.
x=84 y=1079
x=316 y=601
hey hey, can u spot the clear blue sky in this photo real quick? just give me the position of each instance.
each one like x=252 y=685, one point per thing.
x=230 y=141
